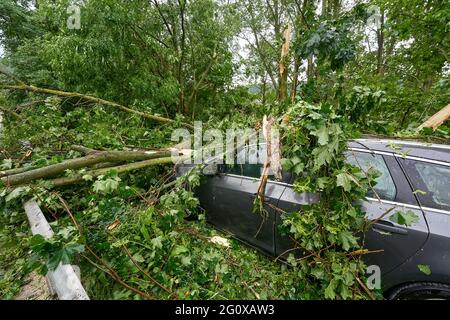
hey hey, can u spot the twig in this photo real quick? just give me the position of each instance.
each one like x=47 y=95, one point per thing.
x=109 y=271
x=146 y=273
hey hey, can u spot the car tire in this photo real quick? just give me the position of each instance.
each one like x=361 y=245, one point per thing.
x=421 y=291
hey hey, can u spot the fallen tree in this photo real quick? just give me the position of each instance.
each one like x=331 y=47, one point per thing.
x=63 y=181
x=78 y=163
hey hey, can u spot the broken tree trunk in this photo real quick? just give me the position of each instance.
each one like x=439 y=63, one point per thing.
x=89 y=160
x=282 y=89
x=11 y=172
x=83 y=149
x=64 y=181
x=437 y=119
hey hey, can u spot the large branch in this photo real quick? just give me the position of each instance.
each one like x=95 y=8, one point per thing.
x=73 y=164
x=59 y=93
x=437 y=119
x=64 y=181
x=11 y=172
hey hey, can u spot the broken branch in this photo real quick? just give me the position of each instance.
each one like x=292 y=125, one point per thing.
x=89 y=160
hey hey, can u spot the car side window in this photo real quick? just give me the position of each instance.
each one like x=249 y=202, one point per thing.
x=246 y=162
x=246 y=170
x=431 y=183
x=385 y=186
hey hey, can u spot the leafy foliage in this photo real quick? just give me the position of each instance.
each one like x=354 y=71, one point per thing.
x=325 y=231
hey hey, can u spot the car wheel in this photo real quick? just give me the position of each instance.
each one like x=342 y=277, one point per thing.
x=421 y=291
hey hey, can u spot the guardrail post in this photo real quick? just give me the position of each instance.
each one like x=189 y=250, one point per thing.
x=63 y=280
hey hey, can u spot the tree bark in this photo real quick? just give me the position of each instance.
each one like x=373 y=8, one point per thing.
x=11 y=172
x=89 y=160
x=64 y=181
x=380 y=42
x=282 y=89
x=437 y=119
x=297 y=64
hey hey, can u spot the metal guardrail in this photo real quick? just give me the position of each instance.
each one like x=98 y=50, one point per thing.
x=63 y=280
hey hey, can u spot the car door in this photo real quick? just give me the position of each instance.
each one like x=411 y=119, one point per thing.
x=228 y=199
x=392 y=190
x=431 y=179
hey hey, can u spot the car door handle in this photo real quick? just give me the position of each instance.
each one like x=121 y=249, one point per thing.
x=389 y=227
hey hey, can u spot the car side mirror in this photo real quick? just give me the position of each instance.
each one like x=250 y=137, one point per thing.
x=210 y=169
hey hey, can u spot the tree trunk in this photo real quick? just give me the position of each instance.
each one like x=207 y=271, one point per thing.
x=73 y=164
x=380 y=42
x=264 y=83
x=297 y=64
x=310 y=69
x=64 y=181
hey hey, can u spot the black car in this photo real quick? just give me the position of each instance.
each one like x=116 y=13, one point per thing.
x=414 y=177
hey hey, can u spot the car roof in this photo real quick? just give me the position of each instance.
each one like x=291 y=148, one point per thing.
x=438 y=152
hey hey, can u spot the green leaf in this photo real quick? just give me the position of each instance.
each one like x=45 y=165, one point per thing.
x=286 y=164
x=106 y=186
x=291 y=260
x=157 y=242
x=298 y=168
x=424 y=268
x=180 y=249
x=186 y=260
x=330 y=290
x=322 y=135
x=421 y=192
x=322 y=182
x=16 y=193
x=138 y=257
x=344 y=180
x=322 y=156
x=87 y=177
x=73 y=248
x=37 y=242
x=6 y=164
x=407 y=218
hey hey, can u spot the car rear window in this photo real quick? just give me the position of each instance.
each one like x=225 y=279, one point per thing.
x=431 y=183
